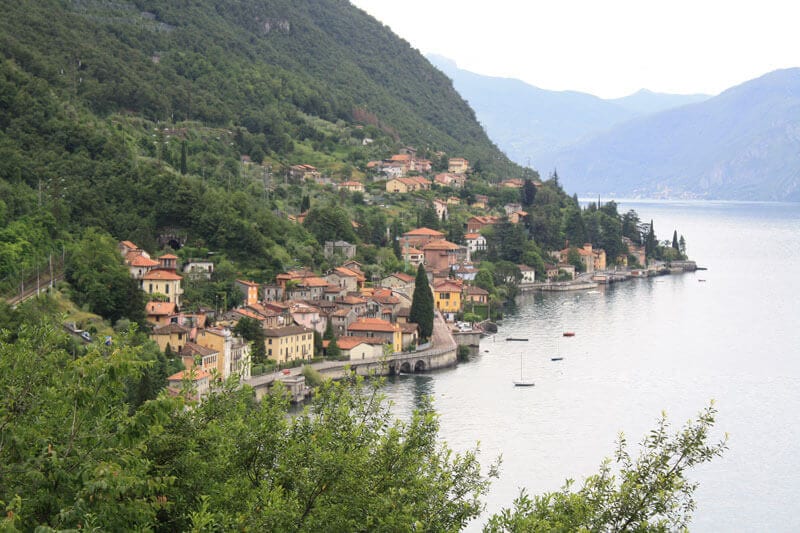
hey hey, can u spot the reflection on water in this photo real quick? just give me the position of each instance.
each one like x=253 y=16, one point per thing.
x=670 y=343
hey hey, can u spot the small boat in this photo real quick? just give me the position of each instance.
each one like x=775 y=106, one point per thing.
x=701 y=280
x=569 y=333
x=556 y=358
x=516 y=339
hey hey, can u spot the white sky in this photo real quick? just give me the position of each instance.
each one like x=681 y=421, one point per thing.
x=609 y=48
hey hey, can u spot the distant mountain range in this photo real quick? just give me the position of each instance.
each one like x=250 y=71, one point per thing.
x=743 y=144
x=529 y=123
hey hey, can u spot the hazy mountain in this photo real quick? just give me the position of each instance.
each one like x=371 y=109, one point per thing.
x=646 y=102
x=743 y=144
x=528 y=122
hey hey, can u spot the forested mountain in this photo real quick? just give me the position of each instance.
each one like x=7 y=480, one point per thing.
x=739 y=145
x=530 y=123
x=133 y=117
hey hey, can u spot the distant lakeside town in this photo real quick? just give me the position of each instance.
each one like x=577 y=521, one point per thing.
x=274 y=328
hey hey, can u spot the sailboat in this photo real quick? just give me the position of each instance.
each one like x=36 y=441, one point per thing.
x=522 y=382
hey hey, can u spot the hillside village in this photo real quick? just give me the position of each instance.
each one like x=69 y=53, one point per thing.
x=368 y=316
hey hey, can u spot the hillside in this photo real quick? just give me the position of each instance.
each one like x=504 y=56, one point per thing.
x=133 y=117
x=530 y=123
x=740 y=145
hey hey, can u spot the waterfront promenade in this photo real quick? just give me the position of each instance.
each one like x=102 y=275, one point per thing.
x=440 y=352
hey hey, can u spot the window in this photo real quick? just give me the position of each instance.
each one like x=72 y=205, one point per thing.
x=166 y=289
x=151 y=288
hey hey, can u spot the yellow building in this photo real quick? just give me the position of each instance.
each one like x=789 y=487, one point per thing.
x=289 y=343
x=165 y=282
x=447 y=296
x=172 y=335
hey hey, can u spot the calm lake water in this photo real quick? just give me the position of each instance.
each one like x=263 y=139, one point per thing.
x=671 y=343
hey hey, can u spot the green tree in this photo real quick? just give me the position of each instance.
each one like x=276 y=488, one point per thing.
x=527 y=193
x=651 y=242
x=184 y=167
x=648 y=493
x=427 y=217
x=574 y=259
x=422 y=311
x=250 y=330
x=675 y=244
x=328 y=334
x=333 y=351
x=485 y=280
x=100 y=279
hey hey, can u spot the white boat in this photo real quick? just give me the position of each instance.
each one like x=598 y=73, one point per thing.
x=522 y=382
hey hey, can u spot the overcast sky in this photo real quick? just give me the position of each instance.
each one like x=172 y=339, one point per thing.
x=609 y=48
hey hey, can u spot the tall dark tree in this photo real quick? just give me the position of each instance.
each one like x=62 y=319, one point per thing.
x=528 y=193
x=422 y=305
x=682 y=245
x=675 y=244
x=328 y=335
x=184 y=168
x=428 y=218
x=650 y=243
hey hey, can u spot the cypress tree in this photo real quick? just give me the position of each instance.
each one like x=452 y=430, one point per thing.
x=333 y=352
x=184 y=167
x=422 y=305
x=675 y=240
x=528 y=193
x=328 y=335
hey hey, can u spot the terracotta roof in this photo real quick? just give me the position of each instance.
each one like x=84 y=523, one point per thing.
x=168 y=256
x=410 y=250
x=162 y=274
x=405 y=278
x=447 y=286
x=353 y=300
x=440 y=244
x=348 y=343
x=470 y=236
x=423 y=232
x=341 y=312
x=409 y=327
x=160 y=308
x=333 y=289
x=346 y=272
x=249 y=314
x=195 y=374
x=473 y=290
x=139 y=260
x=247 y=283
x=169 y=329
x=129 y=244
x=372 y=324
x=314 y=282
x=191 y=349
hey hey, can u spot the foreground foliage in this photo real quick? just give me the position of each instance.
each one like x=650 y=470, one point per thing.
x=77 y=452
x=648 y=493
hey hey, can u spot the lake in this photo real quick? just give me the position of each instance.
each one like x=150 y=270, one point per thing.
x=670 y=343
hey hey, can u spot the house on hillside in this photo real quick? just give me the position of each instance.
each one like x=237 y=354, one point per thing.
x=419 y=237
x=389 y=333
x=343 y=248
x=447 y=298
x=249 y=290
x=457 y=165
